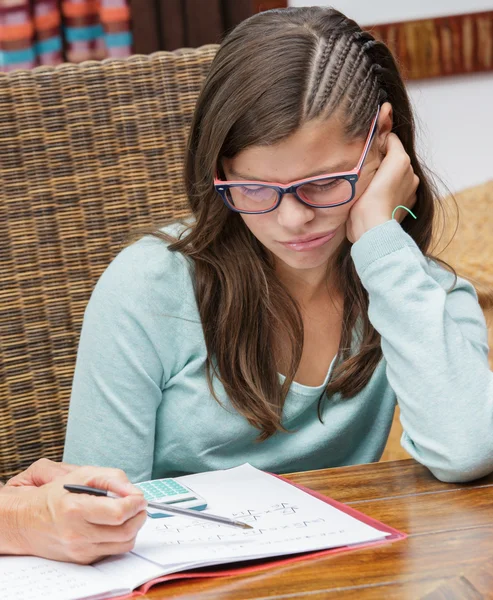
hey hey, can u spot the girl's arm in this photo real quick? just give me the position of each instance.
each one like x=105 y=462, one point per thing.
x=120 y=372
x=436 y=348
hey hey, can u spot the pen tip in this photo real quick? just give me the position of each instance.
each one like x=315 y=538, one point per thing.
x=246 y=526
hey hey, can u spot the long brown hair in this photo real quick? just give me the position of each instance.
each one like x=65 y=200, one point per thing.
x=273 y=73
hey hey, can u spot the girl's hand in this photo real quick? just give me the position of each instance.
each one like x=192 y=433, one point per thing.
x=394 y=183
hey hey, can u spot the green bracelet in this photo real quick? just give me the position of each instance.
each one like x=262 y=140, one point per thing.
x=405 y=208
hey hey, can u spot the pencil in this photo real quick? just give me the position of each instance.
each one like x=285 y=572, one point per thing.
x=172 y=510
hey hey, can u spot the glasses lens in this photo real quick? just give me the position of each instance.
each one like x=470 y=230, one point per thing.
x=326 y=191
x=252 y=198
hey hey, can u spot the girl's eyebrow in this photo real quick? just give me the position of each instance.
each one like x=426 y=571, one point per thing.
x=341 y=167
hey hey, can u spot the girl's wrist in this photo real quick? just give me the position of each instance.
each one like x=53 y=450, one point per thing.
x=367 y=222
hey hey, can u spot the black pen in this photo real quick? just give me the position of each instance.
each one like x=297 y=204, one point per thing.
x=172 y=510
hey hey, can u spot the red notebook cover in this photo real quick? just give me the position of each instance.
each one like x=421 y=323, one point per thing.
x=263 y=564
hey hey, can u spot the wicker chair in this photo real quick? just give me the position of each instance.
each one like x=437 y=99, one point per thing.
x=87 y=152
x=470 y=244
x=470 y=251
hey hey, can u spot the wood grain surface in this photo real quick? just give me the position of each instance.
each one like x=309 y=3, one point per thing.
x=447 y=554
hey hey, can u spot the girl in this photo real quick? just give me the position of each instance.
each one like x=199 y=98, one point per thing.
x=282 y=325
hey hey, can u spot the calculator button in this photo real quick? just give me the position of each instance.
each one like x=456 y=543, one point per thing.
x=165 y=490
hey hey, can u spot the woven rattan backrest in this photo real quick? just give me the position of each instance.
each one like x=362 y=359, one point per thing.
x=87 y=153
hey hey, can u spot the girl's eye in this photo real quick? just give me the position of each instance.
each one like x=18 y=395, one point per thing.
x=257 y=192
x=250 y=191
x=325 y=186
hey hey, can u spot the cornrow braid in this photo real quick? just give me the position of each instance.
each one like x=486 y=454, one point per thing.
x=324 y=50
x=346 y=76
x=321 y=91
x=367 y=93
x=334 y=73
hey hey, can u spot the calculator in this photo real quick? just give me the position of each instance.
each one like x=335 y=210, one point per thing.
x=170 y=491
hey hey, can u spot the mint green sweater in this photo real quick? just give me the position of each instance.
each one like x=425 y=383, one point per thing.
x=140 y=399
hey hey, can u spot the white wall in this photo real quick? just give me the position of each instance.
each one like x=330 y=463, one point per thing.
x=367 y=12
x=454 y=114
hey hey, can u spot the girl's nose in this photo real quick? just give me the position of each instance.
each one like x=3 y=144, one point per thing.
x=292 y=213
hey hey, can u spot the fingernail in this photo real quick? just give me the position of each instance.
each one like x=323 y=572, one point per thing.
x=130 y=489
x=124 y=489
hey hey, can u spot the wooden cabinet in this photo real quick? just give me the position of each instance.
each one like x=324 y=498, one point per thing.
x=261 y=5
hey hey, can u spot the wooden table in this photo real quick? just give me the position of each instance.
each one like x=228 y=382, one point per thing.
x=448 y=554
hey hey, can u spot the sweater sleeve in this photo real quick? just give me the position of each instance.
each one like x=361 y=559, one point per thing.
x=121 y=370
x=434 y=341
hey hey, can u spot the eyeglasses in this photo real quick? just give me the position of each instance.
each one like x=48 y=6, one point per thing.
x=323 y=191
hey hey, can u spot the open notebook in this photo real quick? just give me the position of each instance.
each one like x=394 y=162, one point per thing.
x=287 y=520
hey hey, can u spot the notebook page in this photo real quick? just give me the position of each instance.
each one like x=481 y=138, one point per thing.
x=286 y=520
x=29 y=578
x=133 y=571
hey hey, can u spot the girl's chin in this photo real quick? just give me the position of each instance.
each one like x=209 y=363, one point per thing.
x=304 y=260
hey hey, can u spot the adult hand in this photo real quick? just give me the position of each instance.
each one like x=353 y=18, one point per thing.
x=60 y=525
x=393 y=184
x=41 y=472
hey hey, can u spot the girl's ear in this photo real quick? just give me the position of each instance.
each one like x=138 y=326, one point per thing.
x=384 y=126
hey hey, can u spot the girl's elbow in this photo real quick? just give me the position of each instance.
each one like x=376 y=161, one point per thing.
x=466 y=467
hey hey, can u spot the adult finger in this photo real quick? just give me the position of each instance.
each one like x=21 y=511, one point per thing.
x=99 y=534
x=106 y=511
x=110 y=548
x=105 y=478
x=41 y=472
x=93 y=553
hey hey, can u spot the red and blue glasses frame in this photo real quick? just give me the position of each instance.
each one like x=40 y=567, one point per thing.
x=222 y=187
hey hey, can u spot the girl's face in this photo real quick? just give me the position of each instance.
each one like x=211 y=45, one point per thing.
x=300 y=236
